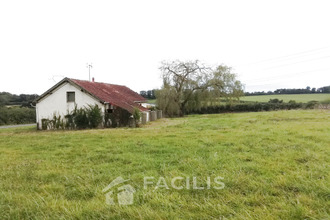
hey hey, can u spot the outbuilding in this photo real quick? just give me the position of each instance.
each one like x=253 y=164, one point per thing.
x=115 y=100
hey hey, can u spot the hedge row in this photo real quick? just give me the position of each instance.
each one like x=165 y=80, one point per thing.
x=17 y=115
x=251 y=107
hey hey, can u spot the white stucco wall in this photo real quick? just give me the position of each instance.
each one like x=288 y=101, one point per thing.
x=57 y=103
x=148 y=116
x=148 y=105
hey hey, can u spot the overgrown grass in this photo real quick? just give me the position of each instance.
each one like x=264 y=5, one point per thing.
x=275 y=165
x=304 y=98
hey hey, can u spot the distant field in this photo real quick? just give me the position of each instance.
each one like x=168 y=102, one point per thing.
x=152 y=101
x=304 y=98
x=275 y=165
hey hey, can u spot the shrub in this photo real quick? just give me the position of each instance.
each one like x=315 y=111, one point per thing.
x=69 y=124
x=94 y=116
x=82 y=118
x=275 y=101
x=311 y=104
x=136 y=116
x=44 y=124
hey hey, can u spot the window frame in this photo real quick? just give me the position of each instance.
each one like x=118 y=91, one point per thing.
x=69 y=98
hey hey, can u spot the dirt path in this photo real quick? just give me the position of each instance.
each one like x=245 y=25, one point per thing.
x=16 y=126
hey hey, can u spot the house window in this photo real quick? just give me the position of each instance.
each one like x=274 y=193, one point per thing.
x=70 y=96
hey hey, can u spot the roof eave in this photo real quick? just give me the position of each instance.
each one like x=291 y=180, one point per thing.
x=49 y=91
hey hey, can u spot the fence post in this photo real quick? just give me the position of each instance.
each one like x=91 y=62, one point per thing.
x=144 y=118
x=159 y=114
x=153 y=116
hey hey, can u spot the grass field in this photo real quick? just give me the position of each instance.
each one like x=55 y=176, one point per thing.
x=304 y=98
x=275 y=165
x=152 y=101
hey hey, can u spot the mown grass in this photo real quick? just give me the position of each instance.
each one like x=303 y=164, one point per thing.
x=304 y=98
x=275 y=165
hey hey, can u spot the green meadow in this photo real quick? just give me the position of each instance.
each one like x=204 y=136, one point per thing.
x=274 y=165
x=304 y=98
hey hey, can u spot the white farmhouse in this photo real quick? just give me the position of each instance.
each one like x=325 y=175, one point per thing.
x=62 y=98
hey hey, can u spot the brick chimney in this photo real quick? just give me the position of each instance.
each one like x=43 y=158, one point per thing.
x=93 y=79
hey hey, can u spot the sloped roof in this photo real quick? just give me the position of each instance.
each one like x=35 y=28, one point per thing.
x=116 y=95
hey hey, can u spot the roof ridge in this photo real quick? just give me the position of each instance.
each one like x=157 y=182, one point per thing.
x=97 y=82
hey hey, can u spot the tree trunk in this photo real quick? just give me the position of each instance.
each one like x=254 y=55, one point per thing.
x=182 y=109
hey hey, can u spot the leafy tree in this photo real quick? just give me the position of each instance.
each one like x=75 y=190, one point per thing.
x=188 y=84
x=166 y=101
x=143 y=93
x=149 y=94
x=224 y=84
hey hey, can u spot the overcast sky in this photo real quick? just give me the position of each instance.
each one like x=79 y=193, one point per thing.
x=269 y=44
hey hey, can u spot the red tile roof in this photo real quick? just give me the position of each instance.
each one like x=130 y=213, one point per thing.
x=116 y=95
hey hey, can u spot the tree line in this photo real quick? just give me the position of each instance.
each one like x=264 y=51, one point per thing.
x=17 y=109
x=151 y=94
x=148 y=94
x=307 y=90
x=24 y=100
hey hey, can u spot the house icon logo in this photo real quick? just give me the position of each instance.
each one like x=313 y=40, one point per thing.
x=124 y=193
